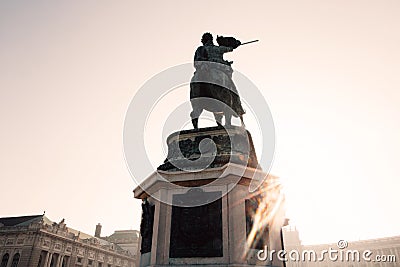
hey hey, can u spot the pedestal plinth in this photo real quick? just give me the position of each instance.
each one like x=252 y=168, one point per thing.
x=198 y=209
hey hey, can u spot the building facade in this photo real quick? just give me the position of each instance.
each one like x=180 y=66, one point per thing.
x=35 y=241
x=126 y=239
x=379 y=252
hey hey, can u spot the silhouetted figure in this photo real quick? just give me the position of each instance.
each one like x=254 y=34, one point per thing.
x=213 y=79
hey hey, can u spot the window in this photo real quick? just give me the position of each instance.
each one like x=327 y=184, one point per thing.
x=90 y=262
x=79 y=260
x=15 y=260
x=4 y=260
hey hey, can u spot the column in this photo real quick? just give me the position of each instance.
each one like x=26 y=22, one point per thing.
x=61 y=260
x=46 y=260
x=50 y=259
x=58 y=260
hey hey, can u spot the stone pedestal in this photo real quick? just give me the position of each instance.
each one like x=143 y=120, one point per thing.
x=198 y=209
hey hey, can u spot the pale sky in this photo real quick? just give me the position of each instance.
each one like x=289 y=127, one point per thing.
x=329 y=71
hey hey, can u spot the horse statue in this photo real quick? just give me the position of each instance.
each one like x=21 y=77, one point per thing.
x=213 y=90
x=212 y=87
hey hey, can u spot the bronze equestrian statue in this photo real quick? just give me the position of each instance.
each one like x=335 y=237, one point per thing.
x=212 y=87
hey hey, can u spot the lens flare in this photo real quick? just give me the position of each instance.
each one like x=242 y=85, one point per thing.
x=268 y=217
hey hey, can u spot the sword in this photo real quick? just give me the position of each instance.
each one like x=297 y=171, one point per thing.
x=249 y=42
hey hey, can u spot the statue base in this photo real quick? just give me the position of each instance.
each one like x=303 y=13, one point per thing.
x=233 y=144
x=196 y=216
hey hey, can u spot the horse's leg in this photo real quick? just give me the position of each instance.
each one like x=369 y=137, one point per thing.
x=195 y=123
x=241 y=119
x=228 y=118
x=218 y=118
x=195 y=114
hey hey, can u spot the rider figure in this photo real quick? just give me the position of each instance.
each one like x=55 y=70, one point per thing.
x=212 y=53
